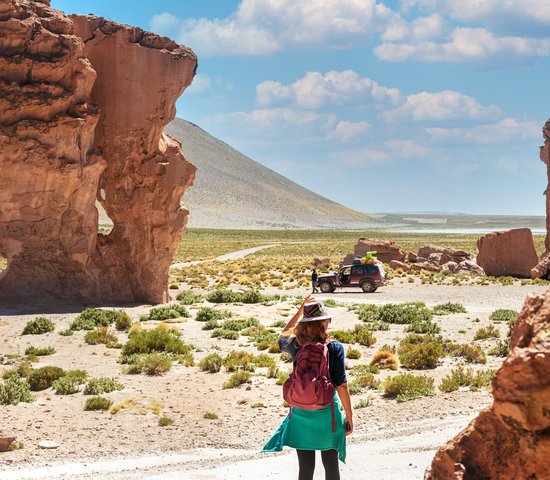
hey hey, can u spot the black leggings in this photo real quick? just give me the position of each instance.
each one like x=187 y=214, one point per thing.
x=306 y=460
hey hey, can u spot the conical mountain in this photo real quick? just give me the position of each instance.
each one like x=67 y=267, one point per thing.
x=233 y=191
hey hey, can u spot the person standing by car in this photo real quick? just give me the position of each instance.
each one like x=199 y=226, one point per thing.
x=323 y=429
x=314 y=282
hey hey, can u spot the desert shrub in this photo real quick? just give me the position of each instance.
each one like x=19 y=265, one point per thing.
x=151 y=364
x=92 y=318
x=354 y=388
x=384 y=359
x=188 y=297
x=487 y=332
x=159 y=339
x=166 y=312
x=404 y=313
x=208 y=313
x=101 y=335
x=274 y=347
x=165 y=421
x=360 y=369
x=283 y=377
x=367 y=312
x=448 y=308
x=15 y=390
x=353 y=354
x=420 y=352
x=286 y=357
x=367 y=380
x=97 y=403
x=501 y=350
x=43 y=378
x=264 y=360
x=364 y=336
x=67 y=385
x=211 y=363
x=407 y=386
x=343 y=336
x=238 y=325
x=278 y=324
x=503 y=315
x=66 y=333
x=40 y=351
x=210 y=416
x=238 y=378
x=262 y=337
x=377 y=326
x=253 y=296
x=123 y=322
x=239 y=360
x=470 y=353
x=223 y=295
x=38 y=326
x=227 y=334
x=22 y=370
x=461 y=377
x=210 y=325
x=97 y=386
x=423 y=327
x=363 y=403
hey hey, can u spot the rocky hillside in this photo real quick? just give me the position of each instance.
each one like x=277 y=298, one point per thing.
x=233 y=191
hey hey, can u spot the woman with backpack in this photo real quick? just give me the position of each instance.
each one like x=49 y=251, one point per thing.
x=315 y=421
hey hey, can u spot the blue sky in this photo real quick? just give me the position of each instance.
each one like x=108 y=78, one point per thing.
x=402 y=105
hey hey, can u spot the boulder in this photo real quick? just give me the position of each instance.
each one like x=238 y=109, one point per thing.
x=469 y=268
x=545 y=158
x=321 y=262
x=386 y=250
x=440 y=258
x=511 y=439
x=6 y=441
x=412 y=257
x=542 y=269
x=426 y=265
x=395 y=264
x=451 y=266
x=455 y=254
x=508 y=253
x=83 y=105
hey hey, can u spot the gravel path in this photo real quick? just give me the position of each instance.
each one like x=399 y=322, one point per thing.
x=228 y=256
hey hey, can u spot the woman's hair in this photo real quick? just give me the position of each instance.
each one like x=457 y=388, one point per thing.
x=311 y=332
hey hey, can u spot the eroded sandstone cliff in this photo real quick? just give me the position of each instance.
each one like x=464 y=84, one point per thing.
x=511 y=439
x=83 y=104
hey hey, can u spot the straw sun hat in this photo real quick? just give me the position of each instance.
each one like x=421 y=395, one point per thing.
x=315 y=312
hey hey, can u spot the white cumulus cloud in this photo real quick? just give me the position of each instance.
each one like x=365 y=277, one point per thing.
x=316 y=90
x=261 y=27
x=440 y=106
x=346 y=131
x=508 y=130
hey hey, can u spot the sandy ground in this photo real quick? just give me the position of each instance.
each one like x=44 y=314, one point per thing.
x=185 y=394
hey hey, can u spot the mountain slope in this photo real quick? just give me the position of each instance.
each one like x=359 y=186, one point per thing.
x=233 y=191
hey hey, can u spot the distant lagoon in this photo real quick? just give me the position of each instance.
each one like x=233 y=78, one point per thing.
x=536 y=231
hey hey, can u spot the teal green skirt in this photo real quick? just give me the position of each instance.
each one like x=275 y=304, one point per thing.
x=311 y=430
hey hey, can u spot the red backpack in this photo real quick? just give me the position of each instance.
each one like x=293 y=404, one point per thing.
x=309 y=385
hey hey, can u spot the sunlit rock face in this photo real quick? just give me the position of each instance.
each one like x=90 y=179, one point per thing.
x=511 y=439
x=83 y=104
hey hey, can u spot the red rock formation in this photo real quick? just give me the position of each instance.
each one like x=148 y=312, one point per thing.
x=6 y=441
x=395 y=264
x=507 y=253
x=444 y=254
x=467 y=267
x=545 y=157
x=52 y=171
x=386 y=250
x=424 y=264
x=511 y=439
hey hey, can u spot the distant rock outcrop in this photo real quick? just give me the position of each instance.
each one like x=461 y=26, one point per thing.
x=386 y=250
x=83 y=103
x=443 y=254
x=545 y=157
x=507 y=253
x=511 y=439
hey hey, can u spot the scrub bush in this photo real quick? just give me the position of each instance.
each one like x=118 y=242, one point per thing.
x=38 y=326
x=238 y=378
x=385 y=360
x=448 y=308
x=15 y=390
x=407 y=386
x=40 y=352
x=211 y=363
x=43 y=378
x=97 y=386
x=97 y=403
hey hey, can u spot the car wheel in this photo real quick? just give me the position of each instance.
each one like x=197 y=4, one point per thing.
x=326 y=287
x=368 y=286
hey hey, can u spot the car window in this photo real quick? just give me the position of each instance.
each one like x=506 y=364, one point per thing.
x=345 y=271
x=356 y=270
